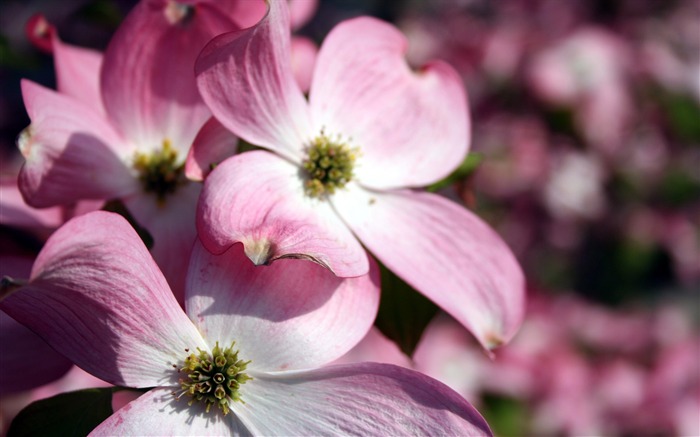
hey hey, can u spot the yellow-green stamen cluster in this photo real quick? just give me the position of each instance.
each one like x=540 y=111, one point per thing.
x=215 y=378
x=329 y=165
x=159 y=172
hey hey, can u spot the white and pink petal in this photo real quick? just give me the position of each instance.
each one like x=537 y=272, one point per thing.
x=360 y=399
x=445 y=252
x=412 y=128
x=289 y=315
x=159 y=413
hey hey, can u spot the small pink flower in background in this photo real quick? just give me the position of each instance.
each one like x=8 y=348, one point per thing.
x=586 y=72
x=579 y=369
x=575 y=187
x=384 y=130
x=251 y=335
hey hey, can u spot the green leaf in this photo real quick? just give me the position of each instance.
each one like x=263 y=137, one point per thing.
x=506 y=416
x=403 y=312
x=70 y=414
x=466 y=168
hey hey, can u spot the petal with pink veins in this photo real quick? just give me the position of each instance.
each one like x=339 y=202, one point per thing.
x=258 y=199
x=213 y=144
x=445 y=252
x=412 y=128
x=71 y=152
x=172 y=226
x=96 y=295
x=246 y=79
x=158 y=413
x=290 y=315
x=360 y=399
x=148 y=84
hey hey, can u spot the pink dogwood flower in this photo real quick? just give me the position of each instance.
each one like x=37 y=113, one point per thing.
x=121 y=125
x=243 y=359
x=346 y=163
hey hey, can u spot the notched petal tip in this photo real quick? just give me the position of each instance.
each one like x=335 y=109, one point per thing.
x=260 y=252
x=264 y=252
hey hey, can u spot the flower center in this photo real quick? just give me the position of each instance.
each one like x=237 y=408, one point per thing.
x=213 y=378
x=329 y=165
x=159 y=172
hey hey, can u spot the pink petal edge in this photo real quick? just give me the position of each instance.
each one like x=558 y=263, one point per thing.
x=417 y=122
x=358 y=399
x=256 y=198
x=445 y=252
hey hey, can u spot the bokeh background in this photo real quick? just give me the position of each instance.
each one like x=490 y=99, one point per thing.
x=585 y=157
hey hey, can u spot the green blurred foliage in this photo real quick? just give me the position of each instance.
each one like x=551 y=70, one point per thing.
x=73 y=414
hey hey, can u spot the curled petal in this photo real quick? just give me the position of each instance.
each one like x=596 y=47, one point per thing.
x=257 y=198
x=97 y=296
x=290 y=315
x=71 y=152
x=360 y=399
x=246 y=79
x=415 y=121
x=445 y=252
x=172 y=226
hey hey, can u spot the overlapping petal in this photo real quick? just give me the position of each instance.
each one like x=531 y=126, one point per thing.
x=25 y=359
x=445 y=252
x=172 y=226
x=257 y=198
x=212 y=145
x=147 y=82
x=361 y=399
x=364 y=90
x=246 y=79
x=290 y=315
x=14 y=211
x=158 y=413
x=96 y=295
x=71 y=152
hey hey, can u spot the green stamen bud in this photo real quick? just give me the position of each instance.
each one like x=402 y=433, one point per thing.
x=329 y=165
x=215 y=378
x=158 y=171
